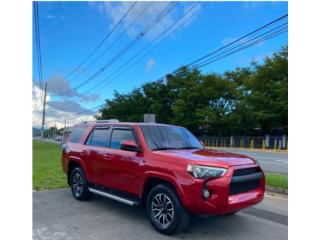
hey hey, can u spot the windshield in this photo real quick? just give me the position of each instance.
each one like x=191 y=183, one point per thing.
x=169 y=137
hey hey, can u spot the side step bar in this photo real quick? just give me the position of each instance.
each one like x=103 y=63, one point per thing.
x=114 y=196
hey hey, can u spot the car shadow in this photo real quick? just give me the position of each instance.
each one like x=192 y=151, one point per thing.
x=199 y=226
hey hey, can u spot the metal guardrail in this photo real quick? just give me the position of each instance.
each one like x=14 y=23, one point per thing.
x=274 y=143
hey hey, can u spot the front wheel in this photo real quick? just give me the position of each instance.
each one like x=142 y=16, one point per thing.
x=78 y=184
x=167 y=215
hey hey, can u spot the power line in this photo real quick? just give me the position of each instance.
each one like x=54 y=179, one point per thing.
x=103 y=40
x=281 y=27
x=269 y=36
x=101 y=86
x=233 y=42
x=263 y=39
x=101 y=83
x=87 y=110
x=153 y=23
x=202 y=61
x=154 y=47
x=239 y=39
x=38 y=44
x=113 y=43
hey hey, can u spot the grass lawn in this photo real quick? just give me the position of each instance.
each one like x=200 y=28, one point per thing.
x=48 y=174
x=276 y=180
x=47 y=170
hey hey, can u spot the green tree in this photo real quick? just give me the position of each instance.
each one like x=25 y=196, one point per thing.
x=267 y=93
x=236 y=102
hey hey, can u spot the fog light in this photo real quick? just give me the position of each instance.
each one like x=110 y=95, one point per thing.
x=205 y=193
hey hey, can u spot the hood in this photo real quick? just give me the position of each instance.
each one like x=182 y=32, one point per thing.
x=207 y=156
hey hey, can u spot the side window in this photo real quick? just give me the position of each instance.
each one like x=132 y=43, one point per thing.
x=76 y=133
x=98 y=137
x=120 y=135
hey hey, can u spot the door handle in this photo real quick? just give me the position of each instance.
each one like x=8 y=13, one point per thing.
x=84 y=153
x=107 y=156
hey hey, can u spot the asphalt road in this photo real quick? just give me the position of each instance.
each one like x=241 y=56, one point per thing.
x=276 y=162
x=56 y=215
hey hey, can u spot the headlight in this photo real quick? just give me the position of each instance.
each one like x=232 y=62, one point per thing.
x=206 y=172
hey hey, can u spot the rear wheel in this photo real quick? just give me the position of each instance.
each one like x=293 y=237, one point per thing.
x=167 y=215
x=78 y=184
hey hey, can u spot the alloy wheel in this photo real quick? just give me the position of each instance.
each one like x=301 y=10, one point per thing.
x=162 y=210
x=77 y=184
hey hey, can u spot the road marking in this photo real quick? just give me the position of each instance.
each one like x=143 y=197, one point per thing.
x=282 y=161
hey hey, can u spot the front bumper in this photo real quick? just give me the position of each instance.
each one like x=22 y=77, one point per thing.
x=222 y=200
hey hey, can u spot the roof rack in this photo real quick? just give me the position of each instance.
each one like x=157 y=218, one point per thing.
x=107 y=120
x=102 y=121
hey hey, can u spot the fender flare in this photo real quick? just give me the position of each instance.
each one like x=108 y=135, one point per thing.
x=82 y=165
x=166 y=177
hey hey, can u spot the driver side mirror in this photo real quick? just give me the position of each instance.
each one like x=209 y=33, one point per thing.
x=129 y=146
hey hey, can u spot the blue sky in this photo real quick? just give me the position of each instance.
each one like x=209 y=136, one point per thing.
x=71 y=30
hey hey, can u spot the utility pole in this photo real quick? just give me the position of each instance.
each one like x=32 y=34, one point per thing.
x=55 y=129
x=65 y=123
x=44 y=110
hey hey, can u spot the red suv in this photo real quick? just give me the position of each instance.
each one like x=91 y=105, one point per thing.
x=161 y=167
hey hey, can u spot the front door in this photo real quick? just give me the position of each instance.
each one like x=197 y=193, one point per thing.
x=123 y=167
x=96 y=150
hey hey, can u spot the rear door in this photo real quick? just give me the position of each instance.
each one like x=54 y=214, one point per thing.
x=95 y=152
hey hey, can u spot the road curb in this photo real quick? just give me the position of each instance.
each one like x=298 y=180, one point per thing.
x=277 y=190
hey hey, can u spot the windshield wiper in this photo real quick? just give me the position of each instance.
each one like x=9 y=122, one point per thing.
x=165 y=148
x=172 y=148
x=189 y=148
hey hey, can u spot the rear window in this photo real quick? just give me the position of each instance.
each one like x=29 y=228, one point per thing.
x=98 y=137
x=76 y=133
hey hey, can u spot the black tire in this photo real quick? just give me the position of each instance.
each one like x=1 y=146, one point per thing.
x=178 y=220
x=79 y=185
x=230 y=214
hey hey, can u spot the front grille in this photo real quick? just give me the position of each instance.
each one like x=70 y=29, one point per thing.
x=241 y=187
x=245 y=171
x=244 y=180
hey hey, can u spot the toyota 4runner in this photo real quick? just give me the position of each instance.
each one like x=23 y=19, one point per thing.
x=163 y=168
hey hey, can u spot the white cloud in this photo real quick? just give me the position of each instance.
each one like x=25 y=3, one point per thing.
x=59 y=86
x=67 y=106
x=150 y=64
x=37 y=96
x=53 y=115
x=115 y=10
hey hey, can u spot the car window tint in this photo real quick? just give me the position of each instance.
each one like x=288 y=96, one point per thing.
x=158 y=137
x=76 y=133
x=99 y=137
x=120 y=135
